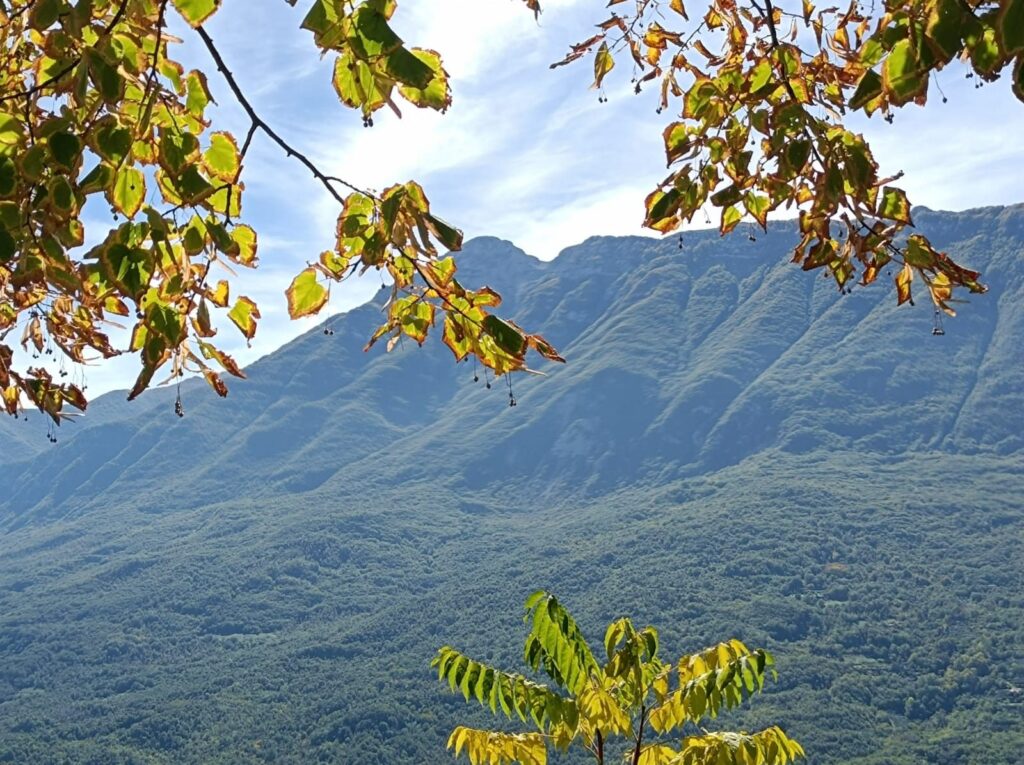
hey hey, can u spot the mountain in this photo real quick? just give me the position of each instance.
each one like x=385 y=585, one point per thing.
x=734 y=448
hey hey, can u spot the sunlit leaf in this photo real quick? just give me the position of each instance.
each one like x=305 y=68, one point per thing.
x=604 y=62
x=306 y=296
x=128 y=191
x=894 y=205
x=244 y=315
x=903 y=279
x=507 y=337
x=221 y=158
x=195 y=12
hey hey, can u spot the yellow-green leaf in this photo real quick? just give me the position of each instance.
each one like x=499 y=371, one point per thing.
x=195 y=12
x=435 y=93
x=903 y=77
x=603 y=63
x=244 y=315
x=221 y=158
x=894 y=205
x=128 y=191
x=245 y=237
x=306 y=296
x=506 y=336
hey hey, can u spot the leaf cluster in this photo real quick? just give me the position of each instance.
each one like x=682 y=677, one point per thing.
x=631 y=692
x=94 y=109
x=762 y=91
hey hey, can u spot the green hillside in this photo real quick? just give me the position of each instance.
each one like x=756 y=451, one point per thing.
x=733 y=449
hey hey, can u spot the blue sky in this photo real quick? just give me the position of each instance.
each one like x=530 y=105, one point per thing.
x=525 y=153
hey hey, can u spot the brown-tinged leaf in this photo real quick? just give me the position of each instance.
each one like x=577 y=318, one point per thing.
x=306 y=296
x=903 y=280
x=216 y=382
x=894 y=205
x=228 y=363
x=244 y=315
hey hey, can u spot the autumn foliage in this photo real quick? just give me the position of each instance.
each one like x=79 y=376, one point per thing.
x=93 y=106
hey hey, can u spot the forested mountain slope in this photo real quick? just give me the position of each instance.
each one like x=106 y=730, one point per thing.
x=734 y=448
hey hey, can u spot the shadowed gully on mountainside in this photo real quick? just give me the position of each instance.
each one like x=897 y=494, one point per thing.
x=794 y=466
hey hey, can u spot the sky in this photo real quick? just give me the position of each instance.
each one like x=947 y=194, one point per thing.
x=525 y=153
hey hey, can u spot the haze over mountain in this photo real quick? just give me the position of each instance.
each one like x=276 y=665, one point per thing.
x=267 y=578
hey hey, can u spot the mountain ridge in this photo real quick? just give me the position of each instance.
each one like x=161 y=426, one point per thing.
x=719 y=395
x=733 y=449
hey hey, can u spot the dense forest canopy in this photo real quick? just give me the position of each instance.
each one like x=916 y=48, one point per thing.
x=93 y=106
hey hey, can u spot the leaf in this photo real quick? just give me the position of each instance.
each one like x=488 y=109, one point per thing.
x=111 y=141
x=903 y=76
x=1010 y=26
x=757 y=205
x=245 y=237
x=506 y=336
x=221 y=159
x=760 y=75
x=8 y=247
x=731 y=217
x=903 y=280
x=197 y=92
x=986 y=58
x=868 y=89
x=677 y=141
x=662 y=208
x=128 y=191
x=371 y=35
x=105 y=77
x=219 y=296
x=944 y=28
x=11 y=130
x=166 y=321
x=358 y=86
x=244 y=315
x=65 y=148
x=210 y=351
x=604 y=62
x=195 y=12
x=129 y=268
x=44 y=13
x=61 y=195
x=894 y=205
x=447 y=235
x=215 y=382
x=409 y=69
x=306 y=296
x=8 y=176
x=435 y=93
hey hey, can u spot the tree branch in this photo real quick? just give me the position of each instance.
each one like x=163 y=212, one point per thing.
x=640 y=735
x=769 y=17
x=259 y=123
